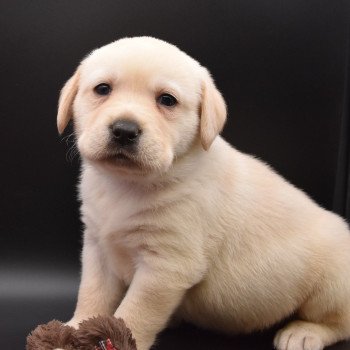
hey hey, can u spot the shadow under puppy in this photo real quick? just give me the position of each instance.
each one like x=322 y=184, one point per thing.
x=179 y=223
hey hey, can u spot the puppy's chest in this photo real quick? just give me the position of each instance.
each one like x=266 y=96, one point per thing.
x=123 y=226
x=109 y=208
x=122 y=260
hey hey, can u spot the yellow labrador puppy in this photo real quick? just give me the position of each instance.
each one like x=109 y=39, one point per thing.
x=180 y=224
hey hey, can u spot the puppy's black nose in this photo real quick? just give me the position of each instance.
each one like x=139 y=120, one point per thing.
x=125 y=132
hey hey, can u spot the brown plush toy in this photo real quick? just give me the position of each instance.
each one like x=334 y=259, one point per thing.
x=97 y=333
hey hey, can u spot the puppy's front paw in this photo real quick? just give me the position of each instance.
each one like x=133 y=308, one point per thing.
x=73 y=323
x=299 y=336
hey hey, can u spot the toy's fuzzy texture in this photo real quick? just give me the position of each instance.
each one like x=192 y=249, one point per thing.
x=100 y=328
x=56 y=335
x=52 y=335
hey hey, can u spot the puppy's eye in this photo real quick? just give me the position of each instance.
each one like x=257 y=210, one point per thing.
x=167 y=100
x=103 y=89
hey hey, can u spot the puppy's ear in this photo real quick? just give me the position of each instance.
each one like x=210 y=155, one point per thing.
x=213 y=111
x=65 y=103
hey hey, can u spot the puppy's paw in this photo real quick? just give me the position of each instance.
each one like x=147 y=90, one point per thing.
x=299 y=336
x=73 y=323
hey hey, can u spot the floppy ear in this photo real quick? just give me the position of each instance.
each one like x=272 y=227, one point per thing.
x=213 y=111
x=65 y=103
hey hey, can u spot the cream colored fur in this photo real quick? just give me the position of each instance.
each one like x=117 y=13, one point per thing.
x=197 y=230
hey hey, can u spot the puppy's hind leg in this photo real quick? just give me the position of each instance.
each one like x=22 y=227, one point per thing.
x=325 y=319
x=304 y=335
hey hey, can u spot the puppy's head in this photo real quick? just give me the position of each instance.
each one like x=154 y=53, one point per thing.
x=140 y=103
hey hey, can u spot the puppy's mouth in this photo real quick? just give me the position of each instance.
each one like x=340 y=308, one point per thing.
x=121 y=159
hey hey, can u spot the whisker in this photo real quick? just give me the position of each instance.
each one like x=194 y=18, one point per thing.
x=72 y=151
x=69 y=138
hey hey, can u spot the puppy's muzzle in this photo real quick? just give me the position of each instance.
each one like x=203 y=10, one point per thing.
x=125 y=133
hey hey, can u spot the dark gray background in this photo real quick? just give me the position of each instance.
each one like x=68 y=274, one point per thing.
x=281 y=65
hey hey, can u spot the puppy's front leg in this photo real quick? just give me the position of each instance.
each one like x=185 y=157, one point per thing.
x=100 y=291
x=151 y=299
